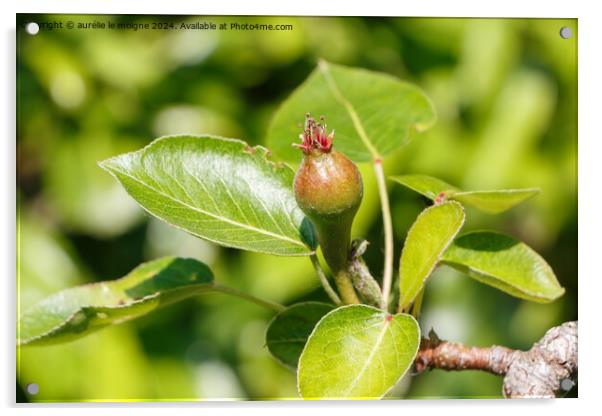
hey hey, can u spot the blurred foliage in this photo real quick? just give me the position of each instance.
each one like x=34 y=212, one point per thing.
x=505 y=91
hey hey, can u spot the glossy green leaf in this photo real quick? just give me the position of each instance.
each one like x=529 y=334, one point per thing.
x=78 y=311
x=492 y=202
x=288 y=332
x=507 y=264
x=428 y=238
x=357 y=352
x=218 y=189
x=428 y=186
x=372 y=113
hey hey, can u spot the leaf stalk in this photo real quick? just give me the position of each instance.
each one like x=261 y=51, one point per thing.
x=324 y=281
x=276 y=307
x=388 y=229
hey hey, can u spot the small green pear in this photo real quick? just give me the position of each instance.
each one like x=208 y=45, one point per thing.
x=329 y=190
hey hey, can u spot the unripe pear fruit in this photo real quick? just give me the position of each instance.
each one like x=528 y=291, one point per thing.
x=328 y=188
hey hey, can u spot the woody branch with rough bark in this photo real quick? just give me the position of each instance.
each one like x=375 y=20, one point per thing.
x=547 y=370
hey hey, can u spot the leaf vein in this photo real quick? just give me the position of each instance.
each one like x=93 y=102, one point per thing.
x=215 y=216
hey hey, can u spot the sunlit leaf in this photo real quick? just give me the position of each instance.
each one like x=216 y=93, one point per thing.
x=357 y=352
x=219 y=189
x=428 y=186
x=505 y=263
x=432 y=232
x=78 y=311
x=289 y=330
x=372 y=113
x=492 y=202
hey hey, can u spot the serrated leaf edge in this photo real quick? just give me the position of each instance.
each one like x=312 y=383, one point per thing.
x=106 y=165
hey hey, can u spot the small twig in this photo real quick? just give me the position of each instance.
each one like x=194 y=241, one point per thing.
x=538 y=373
x=452 y=356
x=322 y=276
x=242 y=295
x=388 y=229
x=363 y=281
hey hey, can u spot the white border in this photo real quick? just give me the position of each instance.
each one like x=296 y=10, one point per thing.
x=590 y=35
x=457 y=8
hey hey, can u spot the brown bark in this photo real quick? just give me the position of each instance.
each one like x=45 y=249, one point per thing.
x=547 y=370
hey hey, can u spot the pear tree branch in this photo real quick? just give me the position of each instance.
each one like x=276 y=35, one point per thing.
x=547 y=370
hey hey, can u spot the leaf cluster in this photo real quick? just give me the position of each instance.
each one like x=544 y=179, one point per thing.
x=235 y=195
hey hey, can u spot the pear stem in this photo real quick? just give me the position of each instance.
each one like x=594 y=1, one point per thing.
x=334 y=239
x=346 y=290
x=388 y=228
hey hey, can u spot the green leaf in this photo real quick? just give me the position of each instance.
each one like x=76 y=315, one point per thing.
x=372 y=113
x=491 y=202
x=78 y=311
x=357 y=352
x=495 y=202
x=428 y=238
x=507 y=264
x=288 y=332
x=425 y=185
x=218 y=189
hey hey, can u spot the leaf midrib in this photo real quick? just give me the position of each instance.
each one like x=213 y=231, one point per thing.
x=437 y=258
x=529 y=292
x=373 y=351
x=209 y=214
x=500 y=191
x=357 y=124
x=196 y=288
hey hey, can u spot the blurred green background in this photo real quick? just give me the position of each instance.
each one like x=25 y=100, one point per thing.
x=505 y=91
